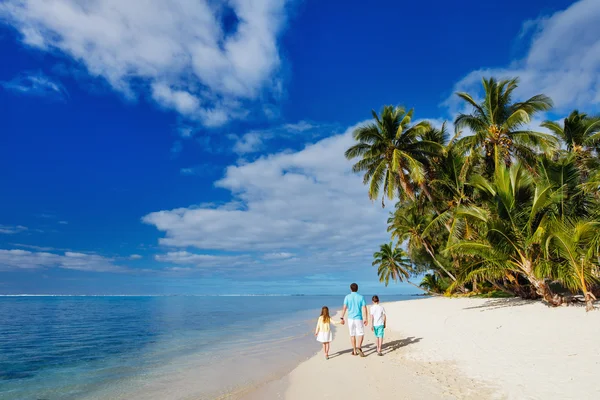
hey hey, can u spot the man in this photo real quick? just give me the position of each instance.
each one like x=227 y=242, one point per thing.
x=355 y=304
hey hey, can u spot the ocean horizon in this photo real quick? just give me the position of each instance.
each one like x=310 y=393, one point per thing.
x=163 y=346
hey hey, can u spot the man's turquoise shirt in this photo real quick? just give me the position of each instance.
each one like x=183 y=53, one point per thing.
x=355 y=302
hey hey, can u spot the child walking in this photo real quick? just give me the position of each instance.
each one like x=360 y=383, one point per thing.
x=323 y=330
x=378 y=320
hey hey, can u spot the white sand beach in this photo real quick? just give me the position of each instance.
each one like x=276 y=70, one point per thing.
x=459 y=348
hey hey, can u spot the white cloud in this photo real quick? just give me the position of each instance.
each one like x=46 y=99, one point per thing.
x=201 y=260
x=185 y=131
x=250 y=142
x=254 y=141
x=563 y=60
x=308 y=203
x=277 y=256
x=12 y=229
x=299 y=126
x=36 y=84
x=135 y=257
x=180 y=50
x=63 y=222
x=23 y=259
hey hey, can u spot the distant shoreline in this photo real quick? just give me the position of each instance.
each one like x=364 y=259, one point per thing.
x=191 y=295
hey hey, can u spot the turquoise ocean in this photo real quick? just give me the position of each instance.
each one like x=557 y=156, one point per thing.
x=146 y=347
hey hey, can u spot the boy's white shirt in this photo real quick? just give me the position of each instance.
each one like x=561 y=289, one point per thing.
x=377 y=311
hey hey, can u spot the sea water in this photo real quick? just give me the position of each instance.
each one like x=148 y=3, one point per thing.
x=163 y=347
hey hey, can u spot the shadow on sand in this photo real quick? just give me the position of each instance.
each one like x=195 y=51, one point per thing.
x=502 y=303
x=387 y=348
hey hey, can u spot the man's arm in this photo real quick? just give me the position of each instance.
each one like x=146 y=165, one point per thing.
x=365 y=315
x=344 y=311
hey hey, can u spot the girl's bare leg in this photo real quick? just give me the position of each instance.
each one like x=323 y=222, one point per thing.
x=327 y=349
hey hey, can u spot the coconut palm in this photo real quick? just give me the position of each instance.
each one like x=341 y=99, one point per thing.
x=408 y=223
x=572 y=250
x=499 y=124
x=511 y=222
x=392 y=262
x=580 y=134
x=432 y=283
x=390 y=152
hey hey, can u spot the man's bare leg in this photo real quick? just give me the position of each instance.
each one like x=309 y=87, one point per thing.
x=359 y=345
x=353 y=343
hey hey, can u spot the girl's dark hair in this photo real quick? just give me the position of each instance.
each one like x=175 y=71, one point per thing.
x=375 y=299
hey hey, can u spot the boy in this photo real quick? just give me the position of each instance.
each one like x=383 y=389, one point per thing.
x=378 y=320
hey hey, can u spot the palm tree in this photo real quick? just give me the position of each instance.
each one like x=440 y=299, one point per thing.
x=511 y=221
x=409 y=223
x=578 y=132
x=391 y=262
x=432 y=283
x=390 y=152
x=581 y=136
x=498 y=124
x=572 y=250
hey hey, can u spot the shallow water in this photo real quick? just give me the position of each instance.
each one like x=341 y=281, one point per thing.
x=151 y=347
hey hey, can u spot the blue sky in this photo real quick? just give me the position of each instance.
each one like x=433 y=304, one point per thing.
x=197 y=146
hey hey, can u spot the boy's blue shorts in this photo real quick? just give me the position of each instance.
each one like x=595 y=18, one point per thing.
x=378 y=331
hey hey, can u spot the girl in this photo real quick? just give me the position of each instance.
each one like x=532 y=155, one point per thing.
x=323 y=330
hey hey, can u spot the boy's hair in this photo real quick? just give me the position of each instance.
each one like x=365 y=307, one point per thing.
x=375 y=299
x=354 y=287
x=325 y=314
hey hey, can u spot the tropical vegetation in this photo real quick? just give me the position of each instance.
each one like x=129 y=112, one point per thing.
x=496 y=207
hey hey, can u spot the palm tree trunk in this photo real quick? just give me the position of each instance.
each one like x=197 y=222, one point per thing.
x=425 y=190
x=589 y=297
x=542 y=288
x=435 y=260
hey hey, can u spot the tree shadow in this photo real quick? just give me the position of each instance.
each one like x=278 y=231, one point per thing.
x=503 y=303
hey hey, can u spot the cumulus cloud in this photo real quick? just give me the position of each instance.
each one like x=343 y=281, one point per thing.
x=201 y=58
x=563 y=60
x=12 y=229
x=135 y=257
x=36 y=84
x=300 y=126
x=250 y=142
x=277 y=256
x=16 y=259
x=201 y=260
x=307 y=203
x=255 y=141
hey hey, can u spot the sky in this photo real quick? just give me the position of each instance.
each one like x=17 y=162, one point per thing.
x=197 y=146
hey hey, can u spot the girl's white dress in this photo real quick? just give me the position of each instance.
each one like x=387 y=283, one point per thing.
x=325 y=335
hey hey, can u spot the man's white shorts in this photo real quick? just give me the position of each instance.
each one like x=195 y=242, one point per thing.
x=356 y=327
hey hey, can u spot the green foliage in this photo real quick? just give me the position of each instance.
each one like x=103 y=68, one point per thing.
x=390 y=150
x=392 y=263
x=500 y=210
